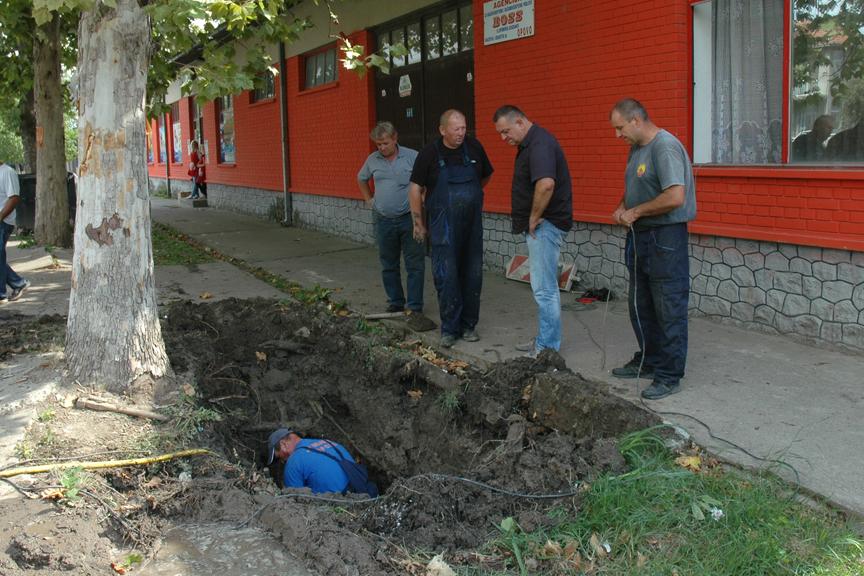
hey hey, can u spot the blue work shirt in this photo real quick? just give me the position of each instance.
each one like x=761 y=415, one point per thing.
x=316 y=471
x=392 y=180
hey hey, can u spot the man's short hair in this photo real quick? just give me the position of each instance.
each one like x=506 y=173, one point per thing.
x=445 y=117
x=383 y=129
x=510 y=112
x=628 y=108
x=823 y=121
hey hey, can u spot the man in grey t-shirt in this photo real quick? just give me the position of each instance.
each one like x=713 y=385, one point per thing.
x=391 y=167
x=9 y=190
x=659 y=200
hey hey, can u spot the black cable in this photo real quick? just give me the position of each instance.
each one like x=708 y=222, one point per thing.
x=708 y=428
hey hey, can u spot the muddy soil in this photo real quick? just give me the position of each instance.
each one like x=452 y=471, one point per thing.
x=530 y=427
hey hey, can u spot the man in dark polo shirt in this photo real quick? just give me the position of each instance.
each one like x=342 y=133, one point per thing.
x=542 y=210
x=453 y=171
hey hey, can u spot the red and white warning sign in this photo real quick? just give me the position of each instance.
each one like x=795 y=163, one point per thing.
x=520 y=270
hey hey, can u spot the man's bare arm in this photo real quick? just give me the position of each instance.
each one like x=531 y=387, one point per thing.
x=671 y=198
x=11 y=203
x=366 y=191
x=543 y=189
x=415 y=196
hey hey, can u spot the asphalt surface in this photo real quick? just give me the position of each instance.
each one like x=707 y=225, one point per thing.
x=774 y=397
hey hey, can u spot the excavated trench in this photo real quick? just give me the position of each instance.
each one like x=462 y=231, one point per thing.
x=524 y=426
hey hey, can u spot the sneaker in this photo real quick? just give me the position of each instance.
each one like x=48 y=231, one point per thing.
x=631 y=370
x=394 y=308
x=659 y=390
x=447 y=341
x=4 y=300
x=470 y=336
x=527 y=346
x=17 y=292
x=533 y=353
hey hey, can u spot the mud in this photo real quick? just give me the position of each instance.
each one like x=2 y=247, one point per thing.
x=524 y=426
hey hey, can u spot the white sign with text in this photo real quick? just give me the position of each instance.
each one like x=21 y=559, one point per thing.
x=505 y=20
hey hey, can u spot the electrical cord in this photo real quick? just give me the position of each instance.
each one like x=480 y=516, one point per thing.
x=708 y=428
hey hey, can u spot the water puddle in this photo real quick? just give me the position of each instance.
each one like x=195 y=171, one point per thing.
x=207 y=549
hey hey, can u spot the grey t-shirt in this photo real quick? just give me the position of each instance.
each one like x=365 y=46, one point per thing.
x=8 y=187
x=653 y=168
x=392 y=181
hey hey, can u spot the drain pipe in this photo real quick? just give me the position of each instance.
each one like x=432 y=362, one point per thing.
x=286 y=158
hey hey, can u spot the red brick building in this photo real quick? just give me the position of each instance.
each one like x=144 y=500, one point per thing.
x=779 y=239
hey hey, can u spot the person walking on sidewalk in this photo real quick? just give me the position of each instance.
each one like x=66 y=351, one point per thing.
x=659 y=200
x=542 y=210
x=453 y=171
x=9 y=196
x=197 y=171
x=391 y=167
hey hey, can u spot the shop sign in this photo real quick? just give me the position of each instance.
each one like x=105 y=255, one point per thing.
x=505 y=20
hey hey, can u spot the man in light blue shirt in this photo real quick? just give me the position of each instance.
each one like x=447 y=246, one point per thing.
x=9 y=191
x=390 y=166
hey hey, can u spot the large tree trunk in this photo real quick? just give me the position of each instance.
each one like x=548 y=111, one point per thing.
x=28 y=131
x=113 y=333
x=52 y=203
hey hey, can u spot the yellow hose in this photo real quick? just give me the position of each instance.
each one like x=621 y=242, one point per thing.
x=104 y=464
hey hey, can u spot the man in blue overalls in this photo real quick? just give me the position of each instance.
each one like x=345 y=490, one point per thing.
x=453 y=171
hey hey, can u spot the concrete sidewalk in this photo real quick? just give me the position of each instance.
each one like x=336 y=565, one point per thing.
x=768 y=394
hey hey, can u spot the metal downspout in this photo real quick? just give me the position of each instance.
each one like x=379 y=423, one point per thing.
x=286 y=158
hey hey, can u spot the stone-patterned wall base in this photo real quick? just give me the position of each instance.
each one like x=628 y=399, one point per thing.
x=810 y=293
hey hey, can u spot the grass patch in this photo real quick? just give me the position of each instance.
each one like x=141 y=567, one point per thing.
x=26 y=241
x=664 y=519
x=172 y=248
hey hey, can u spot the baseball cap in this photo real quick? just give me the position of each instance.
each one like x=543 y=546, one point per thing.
x=275 y=437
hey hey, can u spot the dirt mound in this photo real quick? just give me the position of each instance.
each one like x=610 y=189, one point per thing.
x=524 y=426
x=19 y=333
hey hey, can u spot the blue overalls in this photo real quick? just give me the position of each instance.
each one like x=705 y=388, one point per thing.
x=456 y=233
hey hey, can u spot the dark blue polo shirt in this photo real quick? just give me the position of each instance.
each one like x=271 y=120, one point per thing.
x=540 y=156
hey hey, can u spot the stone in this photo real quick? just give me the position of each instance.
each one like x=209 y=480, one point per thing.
x=733 y=257
x=788 y=282
x=611 y=252
x=706 y=268
x=850 y=273
x=775 y=299
x=697 y=251
x=753 y=296
x=807 y=325
x=590 y=250
x=845 y=311
x=728 y=290
x=598 y=237
x=699 y=284
x=715 y=306
x=788 y=250
x=594 y=264
x=711 y=286
x=608 y=268
x=858 y=297
x=811 y=287
x=836 y=291
x=783 y=324
x=765 y=279
x=743 y=311
x=721 y=271
x=713 y=255
x=853 y=335
x=693 y=301
x=581 y=236
x=743 y=276
x=824 y=271
x=777 y=261
x=747 y=246
x=801 y=266
x=722 y=243
x=834 y=256
x=795 y=305
x=706 y=241
x=858 y=258
x=754 y=261
x=764 y=315
x=822 y=309
x=767 y=247
x=695 y=267
x=832 y=332
x=810 y=253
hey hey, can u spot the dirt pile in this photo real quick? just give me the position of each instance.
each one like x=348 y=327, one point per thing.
x=523 y=426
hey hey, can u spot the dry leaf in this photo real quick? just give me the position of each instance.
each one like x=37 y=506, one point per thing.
x=153 y=483
x=45 y=364
x=599 y=549
x=689 y=462
x=415 y=393
x=261 y=356
x=552 y=549
x=52 y=494
x=119 y=568
x=343 y=313
x=571 y=549
x=640 y=560
x=69 y=401
x=437 y=567
x=188 y=390
x=337 y=289
x=205 y=295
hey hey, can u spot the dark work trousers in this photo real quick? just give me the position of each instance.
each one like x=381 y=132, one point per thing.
x=456 y=232
x=395 y=237
x=659 y=267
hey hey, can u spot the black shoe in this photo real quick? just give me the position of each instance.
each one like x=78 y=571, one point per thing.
x=470 y=336
x=17 y=292
x=394 y=308
x=447 y=341
x=659 y=390
x=631 y=369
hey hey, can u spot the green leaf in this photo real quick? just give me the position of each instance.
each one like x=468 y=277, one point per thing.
x=697 y=512
x=508 y=524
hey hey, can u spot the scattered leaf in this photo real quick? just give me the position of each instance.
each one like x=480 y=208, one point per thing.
x=45 y=364
x=52 y=494
x=205 y=295
x=437 y=567
x=552 y=549
x=69 y=401
x=640 y=559
x=415 y=393
x=697 y=512
x=572 y=549
x=153 y=483
x=188 y=390
x=119 y=568
x=261 y=356
x=599 y=549
x=689 y=462
x=337 y=289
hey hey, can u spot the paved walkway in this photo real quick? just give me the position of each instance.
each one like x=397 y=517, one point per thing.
x=766 y=393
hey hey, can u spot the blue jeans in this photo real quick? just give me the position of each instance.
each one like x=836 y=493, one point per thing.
x=543 y=255
x=456 y=233
x=7 y=275
x=395 y=236
x=659 y=293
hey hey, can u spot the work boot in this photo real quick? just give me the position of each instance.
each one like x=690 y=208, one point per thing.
x=470 y=335
x=659 y=390
x=527 y=346
x=394 y=308
x=447 y=341
x=631 y=370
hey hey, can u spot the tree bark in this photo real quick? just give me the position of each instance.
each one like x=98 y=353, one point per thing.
x=28 y=131
x=113 y=333
x=52 y=203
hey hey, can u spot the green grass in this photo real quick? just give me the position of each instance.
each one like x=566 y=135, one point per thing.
x=656 y=520
x=172 y=248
